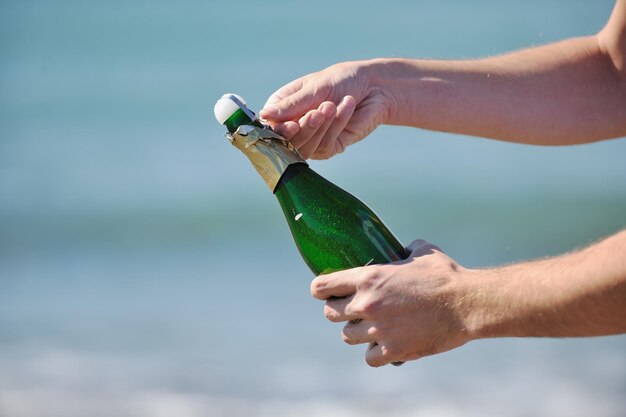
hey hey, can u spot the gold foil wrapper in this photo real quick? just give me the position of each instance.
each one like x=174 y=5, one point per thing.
x=269 y=152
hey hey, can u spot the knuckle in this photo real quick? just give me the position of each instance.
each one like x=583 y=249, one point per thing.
x=370 y=307
x=390 y=351
x=369 y=278
x=375 y=332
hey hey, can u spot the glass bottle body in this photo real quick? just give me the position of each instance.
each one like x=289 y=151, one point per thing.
x=333 y=230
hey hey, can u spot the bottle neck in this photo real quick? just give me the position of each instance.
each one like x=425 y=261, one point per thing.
x=241 y=117
x=269 y=153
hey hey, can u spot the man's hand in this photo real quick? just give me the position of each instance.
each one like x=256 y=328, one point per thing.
x=324 y=112
x=404 y=310
x=429 y=304
x=569 y=92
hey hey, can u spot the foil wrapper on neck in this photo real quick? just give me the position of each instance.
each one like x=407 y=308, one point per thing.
x=269 y=152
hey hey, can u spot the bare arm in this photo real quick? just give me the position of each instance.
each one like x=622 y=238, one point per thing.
x=559 y=94
x=577 y=294
x=568 y=92
x=429 y=304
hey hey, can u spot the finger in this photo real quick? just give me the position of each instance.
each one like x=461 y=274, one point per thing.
x=337 y=284
x=416 y=244
x=377 y=355
x=329 y=110
x=309 y=124
x=364 y=120
x=421 y=247
x=362 y=331
x=287 y=130
x=338 y=309
x=328 y=145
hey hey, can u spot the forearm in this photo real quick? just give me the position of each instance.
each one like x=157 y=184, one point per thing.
x=564 y=93
x=577 y=294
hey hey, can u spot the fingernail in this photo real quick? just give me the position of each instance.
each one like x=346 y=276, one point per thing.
x=329 y=110
x=316 y=120
x=291 y=129
x=347 y=99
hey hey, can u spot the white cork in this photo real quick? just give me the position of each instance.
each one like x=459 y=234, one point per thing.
x=226 y=106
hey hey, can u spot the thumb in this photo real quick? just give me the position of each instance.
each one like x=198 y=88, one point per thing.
x=420 y=247
x=336 y=284
x=292 y=106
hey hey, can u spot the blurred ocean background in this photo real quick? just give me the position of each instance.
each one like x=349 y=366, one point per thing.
x=145 y=269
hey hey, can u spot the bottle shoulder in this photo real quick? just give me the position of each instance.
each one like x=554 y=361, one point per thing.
x=301 y=185
x=299 y=178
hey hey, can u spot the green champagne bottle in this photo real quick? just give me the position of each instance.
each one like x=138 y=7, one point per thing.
x=332 y=229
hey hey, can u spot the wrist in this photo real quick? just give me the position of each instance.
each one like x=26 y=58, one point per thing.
x=385 y=78
x=412 y=87
x=482 y=305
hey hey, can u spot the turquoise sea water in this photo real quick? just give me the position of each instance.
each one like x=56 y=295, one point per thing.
x=145 y=270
